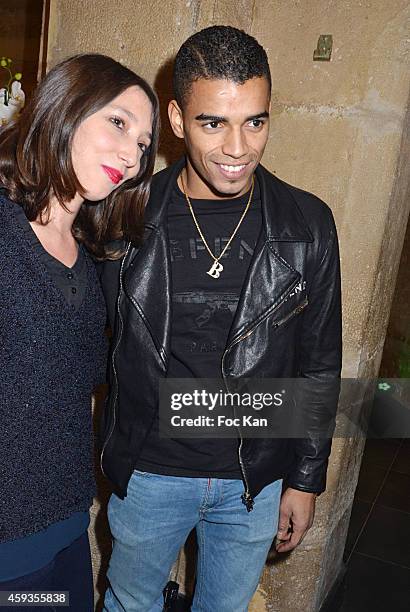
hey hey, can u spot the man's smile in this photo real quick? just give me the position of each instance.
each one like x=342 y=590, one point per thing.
x=233 y=171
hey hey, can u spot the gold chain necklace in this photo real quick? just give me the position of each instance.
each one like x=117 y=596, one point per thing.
x=216 y=268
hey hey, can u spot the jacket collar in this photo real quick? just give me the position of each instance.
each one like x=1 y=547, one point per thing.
x=162 y=186
x=283 y=219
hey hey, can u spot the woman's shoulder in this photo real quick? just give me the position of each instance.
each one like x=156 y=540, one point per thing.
x=9 y=217
x=7 y=207
x=6 y=204
x=3 y=194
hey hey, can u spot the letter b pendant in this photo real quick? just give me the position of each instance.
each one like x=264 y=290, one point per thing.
x=215 y=269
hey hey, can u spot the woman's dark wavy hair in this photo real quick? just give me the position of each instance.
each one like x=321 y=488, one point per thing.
x=35 y=151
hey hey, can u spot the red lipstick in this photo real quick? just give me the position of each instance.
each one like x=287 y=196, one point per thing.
x=114 y=175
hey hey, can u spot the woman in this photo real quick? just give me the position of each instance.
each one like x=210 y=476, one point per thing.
x=74 y=176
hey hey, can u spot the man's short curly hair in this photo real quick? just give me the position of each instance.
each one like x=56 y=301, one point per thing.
x=218 y=52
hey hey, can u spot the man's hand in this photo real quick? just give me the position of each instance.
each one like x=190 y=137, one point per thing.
x=297 y=510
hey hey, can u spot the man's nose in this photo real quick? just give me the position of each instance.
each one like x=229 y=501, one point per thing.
x=235 y=144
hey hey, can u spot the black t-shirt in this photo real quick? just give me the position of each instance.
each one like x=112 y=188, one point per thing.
x=202 y=312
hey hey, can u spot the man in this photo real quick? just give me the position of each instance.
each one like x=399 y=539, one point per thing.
x=237 y=276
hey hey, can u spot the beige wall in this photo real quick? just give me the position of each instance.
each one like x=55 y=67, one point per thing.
x=396 y=352
x=338 y=129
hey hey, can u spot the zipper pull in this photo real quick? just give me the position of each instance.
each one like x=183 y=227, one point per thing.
x=170 y=594
x=248 y=500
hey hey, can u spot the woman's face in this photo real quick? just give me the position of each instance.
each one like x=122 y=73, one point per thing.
x=108 y=145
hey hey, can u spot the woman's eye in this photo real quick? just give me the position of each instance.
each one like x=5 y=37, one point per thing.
x=117 y=121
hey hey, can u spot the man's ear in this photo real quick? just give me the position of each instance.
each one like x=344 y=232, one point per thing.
x=175 y=119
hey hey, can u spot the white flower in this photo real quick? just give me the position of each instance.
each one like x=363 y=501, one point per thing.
x=15 y=103
x=17 y=93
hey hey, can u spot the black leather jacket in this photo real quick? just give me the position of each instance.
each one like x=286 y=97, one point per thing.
x=287 y=324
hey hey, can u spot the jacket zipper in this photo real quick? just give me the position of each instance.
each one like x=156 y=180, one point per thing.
x=247 y=498
x=296 y=311
x=113 y=361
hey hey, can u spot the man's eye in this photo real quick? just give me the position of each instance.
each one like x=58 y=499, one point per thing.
x=117 y=121
x=212 y=124
x=256 y=123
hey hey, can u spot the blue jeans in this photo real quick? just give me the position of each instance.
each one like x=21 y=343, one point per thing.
x=152 y=523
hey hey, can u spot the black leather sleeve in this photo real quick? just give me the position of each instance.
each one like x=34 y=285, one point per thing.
x=109 y=273
x=320 y=362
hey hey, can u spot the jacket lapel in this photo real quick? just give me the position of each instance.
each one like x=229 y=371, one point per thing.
x=147 y=273
x=147 y=283
x=270 y=278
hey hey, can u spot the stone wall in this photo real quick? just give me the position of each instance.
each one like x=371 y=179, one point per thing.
x=338 y=129
x=396 y=352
